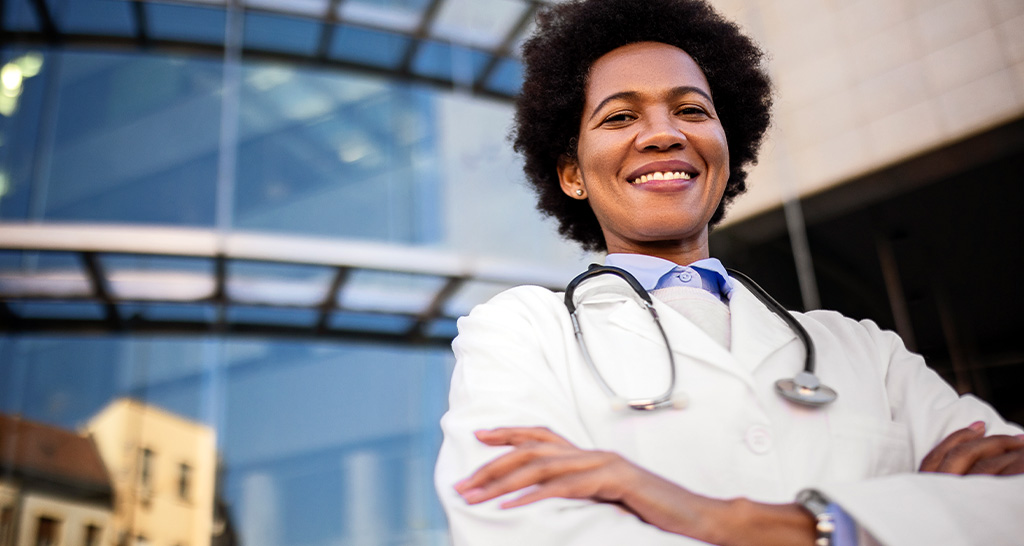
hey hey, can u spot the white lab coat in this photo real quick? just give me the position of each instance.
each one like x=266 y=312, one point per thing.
x=518 y=364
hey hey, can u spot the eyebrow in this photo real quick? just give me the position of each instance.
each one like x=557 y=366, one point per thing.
x=633 y=95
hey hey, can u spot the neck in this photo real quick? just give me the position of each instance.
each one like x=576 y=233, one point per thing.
x=678 y=252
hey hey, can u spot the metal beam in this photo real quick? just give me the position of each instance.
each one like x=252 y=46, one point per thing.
x=505 y=48
x=329 y=302
x=421 y=33
x=418 y=330
x=101 y=289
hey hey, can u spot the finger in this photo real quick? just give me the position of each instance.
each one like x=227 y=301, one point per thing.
x=1016 y=467
x=962 y=457
x=503 y=465
x=1000 y=464
x=513 y=436
x=933 y=460
x=536 y=472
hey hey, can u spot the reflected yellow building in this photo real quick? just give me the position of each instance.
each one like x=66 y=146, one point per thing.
x=163 y=470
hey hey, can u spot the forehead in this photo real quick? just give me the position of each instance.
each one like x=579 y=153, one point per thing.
x=643 y=67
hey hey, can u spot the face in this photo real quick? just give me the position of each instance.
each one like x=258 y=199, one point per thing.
x=652 y=158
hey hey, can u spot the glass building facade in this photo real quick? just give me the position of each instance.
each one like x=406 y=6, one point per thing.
x=317 y=440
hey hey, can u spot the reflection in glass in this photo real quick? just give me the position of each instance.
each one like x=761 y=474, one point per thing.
x=287 y=442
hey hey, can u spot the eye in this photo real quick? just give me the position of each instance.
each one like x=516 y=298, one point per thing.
x=618 y=118
x=692 y=111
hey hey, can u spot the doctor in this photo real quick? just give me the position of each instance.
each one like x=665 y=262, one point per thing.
x=636 y=121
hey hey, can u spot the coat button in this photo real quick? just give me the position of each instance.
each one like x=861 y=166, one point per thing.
x=759 y=439
x=685 y=276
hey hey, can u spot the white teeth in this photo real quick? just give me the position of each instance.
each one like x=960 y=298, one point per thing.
x=661 y=176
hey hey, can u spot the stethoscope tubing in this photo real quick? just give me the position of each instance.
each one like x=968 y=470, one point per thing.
x=804 y=389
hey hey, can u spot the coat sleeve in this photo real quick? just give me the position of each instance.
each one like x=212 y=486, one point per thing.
x=925 y=509
x=509 y=371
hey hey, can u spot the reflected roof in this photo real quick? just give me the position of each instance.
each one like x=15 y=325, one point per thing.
x=461 y=44
x=154 y=279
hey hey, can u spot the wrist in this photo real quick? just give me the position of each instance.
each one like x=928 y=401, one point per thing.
x=748 y=522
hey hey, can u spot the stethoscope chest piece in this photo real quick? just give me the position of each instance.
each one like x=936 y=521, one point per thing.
x=805 y=389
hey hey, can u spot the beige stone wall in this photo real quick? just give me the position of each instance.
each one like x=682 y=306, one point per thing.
x=862 y=84
x=121 y=431
x=72 y=518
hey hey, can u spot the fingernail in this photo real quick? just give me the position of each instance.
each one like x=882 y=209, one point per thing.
x=473 y=495
x=977 y=426
x=460 y=484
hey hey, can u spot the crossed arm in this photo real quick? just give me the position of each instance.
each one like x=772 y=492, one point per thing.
x=543 y=465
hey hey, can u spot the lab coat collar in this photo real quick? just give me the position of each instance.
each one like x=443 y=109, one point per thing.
x=756 y=332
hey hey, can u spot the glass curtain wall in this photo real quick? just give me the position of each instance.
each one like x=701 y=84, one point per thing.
x=227 y=440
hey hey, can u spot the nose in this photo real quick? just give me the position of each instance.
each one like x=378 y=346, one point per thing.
x=660 y=132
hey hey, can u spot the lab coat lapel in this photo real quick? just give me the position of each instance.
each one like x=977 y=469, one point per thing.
x=756 y=331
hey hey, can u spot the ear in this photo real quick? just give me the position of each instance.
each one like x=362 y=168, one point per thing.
x=570 y=179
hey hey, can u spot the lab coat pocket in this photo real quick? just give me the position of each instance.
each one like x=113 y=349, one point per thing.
x=865 y=448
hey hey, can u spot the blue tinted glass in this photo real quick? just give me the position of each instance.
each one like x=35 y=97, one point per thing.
x=20 y=133
x=443 y=328
x=192 y=23
x=168 y=312
x=20 y=15
x=333 y=156
x=272 y=316
x=111 y=17
x=449 y=62
x=370 y=322
x=19 y=260
x=279 y=33
x=57 y=309
x=507 y=77
x=366 y=46
x=135 y=139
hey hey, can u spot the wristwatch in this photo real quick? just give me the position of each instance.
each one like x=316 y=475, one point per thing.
x=817 y=505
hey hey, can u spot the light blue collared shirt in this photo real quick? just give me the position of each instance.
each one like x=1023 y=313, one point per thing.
x=654 y=273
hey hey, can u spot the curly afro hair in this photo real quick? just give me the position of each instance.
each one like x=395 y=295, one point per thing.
x=557 y=60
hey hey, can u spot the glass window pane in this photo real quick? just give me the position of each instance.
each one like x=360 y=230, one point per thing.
x=403 y=15
x=311 y=8
x=42 y=274
x=507 y=77
x=164 y=278
x=471 y=294
x=370 y=322
x=279 y=33
x=449 y=62
x=106 y=17
x=330 y=156
x=388 y=292
x=20 y=15
x=366 y=46
x=186 y=22
x=47 y=309
x=133 y=139
x=480 y=23
x=278 y=284
x=272 y=316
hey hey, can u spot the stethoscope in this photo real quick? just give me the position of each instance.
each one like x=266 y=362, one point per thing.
x=804 y=389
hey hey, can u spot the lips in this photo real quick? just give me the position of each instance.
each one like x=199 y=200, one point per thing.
x=662 y=170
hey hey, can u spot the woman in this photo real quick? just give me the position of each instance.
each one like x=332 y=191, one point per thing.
x=636 y=121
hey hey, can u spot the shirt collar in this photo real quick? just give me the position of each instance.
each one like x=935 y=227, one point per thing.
x=649 y=269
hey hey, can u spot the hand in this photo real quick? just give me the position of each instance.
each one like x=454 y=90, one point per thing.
x=547 y=464
x=969 y=451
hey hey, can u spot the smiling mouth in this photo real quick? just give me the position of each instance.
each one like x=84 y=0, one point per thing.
x=667 y=175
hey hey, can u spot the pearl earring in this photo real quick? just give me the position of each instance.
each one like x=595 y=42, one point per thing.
x=579 y=192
